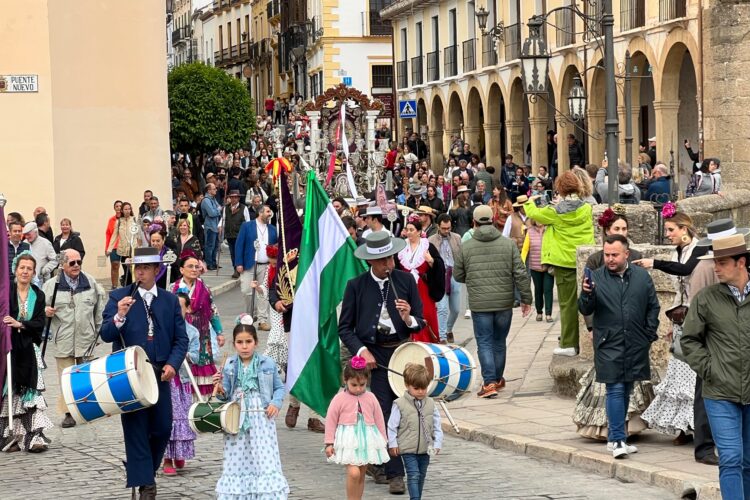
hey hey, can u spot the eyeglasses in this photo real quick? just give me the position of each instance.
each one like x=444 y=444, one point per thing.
x=74 y=263
x=193 y=267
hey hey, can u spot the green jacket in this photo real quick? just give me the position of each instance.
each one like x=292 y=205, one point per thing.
x=491 y=266
x=716 y=343
x=569 y=225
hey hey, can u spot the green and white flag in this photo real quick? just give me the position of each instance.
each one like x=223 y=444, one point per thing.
x=326 y=263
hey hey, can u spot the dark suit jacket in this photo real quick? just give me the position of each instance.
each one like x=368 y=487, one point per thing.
x=360 y=309
x=170 y=341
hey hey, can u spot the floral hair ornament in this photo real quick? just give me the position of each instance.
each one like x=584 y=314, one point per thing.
x=15 y=260
x=668 y=210
x=244 y=319
x=272 y=251
x=413 y=217
x=358 y=363
x=606 y=218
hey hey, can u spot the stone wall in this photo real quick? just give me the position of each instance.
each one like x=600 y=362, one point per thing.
x=726 y=88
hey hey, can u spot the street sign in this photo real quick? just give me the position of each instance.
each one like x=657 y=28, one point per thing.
x=347 y=81
x=407 y=109
x=18 y=83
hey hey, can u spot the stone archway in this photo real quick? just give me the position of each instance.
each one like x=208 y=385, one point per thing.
x=474 y=127
x=517 y=124
x=435 y=134
x=567 y=124
x=455 y=114
x=494 y=127
x=422 y=128
x=642 y=99
x=596 y=114
x=676 y=112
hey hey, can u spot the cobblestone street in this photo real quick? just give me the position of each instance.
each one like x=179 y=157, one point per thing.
x=86 y=462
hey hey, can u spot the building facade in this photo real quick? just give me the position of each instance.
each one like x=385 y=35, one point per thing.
x=469 y=84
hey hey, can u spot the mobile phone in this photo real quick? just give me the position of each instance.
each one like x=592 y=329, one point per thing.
x=587 y=275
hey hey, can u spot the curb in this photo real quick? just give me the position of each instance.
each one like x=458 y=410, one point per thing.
x=682 y=484
x=224 y=287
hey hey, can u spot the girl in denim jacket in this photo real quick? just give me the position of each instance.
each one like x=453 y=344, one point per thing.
x=252 y=466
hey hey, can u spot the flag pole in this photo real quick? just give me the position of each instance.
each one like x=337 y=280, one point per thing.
x=5 y=332
x=9 y=383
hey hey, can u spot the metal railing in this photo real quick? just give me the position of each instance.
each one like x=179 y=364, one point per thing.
x=512 y=38
x=433 y=66
x=469 y=53
x=632 y=14
x=450 y=60
x=402 y=78
x=565 y=23
x=489 y=54
x=273 y=8
x=593 y=27
x=378 y=26
x=417 y=70
x=672 y=9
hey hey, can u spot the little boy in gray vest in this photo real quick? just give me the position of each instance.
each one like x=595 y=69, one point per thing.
x=414 y=431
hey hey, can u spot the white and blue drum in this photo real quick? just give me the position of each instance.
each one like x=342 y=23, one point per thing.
x=120 y=382
x=451 y=367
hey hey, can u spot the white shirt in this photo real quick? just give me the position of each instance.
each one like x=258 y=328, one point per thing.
x=261 y=257
x=119 y=321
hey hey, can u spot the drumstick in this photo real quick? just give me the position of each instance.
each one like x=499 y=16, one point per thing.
x=390 y=370
x=216 y=385
x=448 y=414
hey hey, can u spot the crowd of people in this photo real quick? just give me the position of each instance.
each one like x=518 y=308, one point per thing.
x=468 y=240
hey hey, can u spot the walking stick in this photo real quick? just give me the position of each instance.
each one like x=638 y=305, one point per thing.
x=251 y=312
x=193 y=383
x=49 y=320
x=169 y=257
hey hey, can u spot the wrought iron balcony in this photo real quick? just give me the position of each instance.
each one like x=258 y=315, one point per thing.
x=512 y=37
x=417 y=70
x=450 y=60
x=565 y=27
x=433 y=66
x=469 y=53
x=632 y=14
x=402 y=78
x=489 y=54
x=672 y=9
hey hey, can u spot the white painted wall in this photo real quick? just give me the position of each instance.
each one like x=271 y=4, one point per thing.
x=208 y=40
x=355 y=60
x=352 y=17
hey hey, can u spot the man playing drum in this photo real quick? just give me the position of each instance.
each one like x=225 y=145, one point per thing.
x=76 y=317
x=149 y=317
x=381 y=309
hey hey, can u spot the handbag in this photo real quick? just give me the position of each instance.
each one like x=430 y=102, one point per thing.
x=677 y=313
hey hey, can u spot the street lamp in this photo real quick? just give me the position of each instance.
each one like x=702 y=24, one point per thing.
x=535 y=65
x=577 y=100
x=496 y=31
x=535 y=59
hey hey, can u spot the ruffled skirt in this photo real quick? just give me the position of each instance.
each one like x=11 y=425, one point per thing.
x=181 y=442
x=252 y=466
x=590 y=413
x=29 y=416
x=359 y=444
x=278 y=347
x=672 y=409
x=204 y=377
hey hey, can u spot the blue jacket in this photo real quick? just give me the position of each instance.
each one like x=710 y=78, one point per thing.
x=657 y=187
x=244 y=249
x=194 y=347
x=170 y=341
x=271 y=387
x=211 y=213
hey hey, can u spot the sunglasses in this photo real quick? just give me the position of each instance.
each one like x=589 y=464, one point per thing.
x=73 y=263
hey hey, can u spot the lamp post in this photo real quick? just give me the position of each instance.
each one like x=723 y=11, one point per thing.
x=535 y=66
x=496 y=31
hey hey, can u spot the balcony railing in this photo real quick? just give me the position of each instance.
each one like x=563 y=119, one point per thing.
x=417 y=70
x=632 y=14
x=450 y=60
x=565 y=22
x=378 y=26
x=402 y=81
x=469 y=52
x=433 y=66
x=672 y=9
x=489 y=54
x=273 y=8
x=512 y=42
x=594 y=26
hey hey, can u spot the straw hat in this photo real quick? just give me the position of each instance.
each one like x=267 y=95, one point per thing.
x=521 y=201
x=727 y=246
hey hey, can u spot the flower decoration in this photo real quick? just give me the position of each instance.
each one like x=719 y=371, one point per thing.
x=606 y=219
x=155 y=228
x=668 y=210
x=413 y=217
x=272 y=251
x=244 y=319
x=359 y=363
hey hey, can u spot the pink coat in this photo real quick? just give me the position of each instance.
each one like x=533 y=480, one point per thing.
x=343 y=411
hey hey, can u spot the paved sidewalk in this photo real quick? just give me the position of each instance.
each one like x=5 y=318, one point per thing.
x=528 y=418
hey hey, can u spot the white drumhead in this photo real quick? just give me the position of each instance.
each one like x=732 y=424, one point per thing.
x=411 y=352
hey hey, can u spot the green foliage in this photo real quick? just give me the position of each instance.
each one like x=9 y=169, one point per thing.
x=208 y=109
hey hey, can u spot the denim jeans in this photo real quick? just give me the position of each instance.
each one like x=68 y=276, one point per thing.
x=448 y=309
x=209 y=251
x=730 y=425
x=491 y=331
x=618 y=396
x=416 y=471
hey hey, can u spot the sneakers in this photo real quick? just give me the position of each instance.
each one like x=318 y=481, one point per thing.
x=467 y=314
x=539 y=317
x=628 y=447
x=500 y=384
x=488 y=391
x=565 y=351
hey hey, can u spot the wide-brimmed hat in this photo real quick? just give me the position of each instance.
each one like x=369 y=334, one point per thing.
x=378 y=245
x=426 y=210
x=145 y=255
x=719 y=229
x=374 y=210
x=462 y=189
x=417 y=189
x=727 y=246
x=234 y=192
x=521 y=201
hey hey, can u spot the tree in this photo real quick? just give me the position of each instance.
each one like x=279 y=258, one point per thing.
x=208 y=109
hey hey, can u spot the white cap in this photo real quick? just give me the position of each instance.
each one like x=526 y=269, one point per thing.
x=30 y=227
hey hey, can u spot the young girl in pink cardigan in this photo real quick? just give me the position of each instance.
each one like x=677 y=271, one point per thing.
x=355 y=428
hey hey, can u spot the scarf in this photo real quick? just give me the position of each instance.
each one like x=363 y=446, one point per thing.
x=202 y=307
x=411 y=261
x=247 y=382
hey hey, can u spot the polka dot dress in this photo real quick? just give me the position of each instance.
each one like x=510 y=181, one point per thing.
x=252 y=466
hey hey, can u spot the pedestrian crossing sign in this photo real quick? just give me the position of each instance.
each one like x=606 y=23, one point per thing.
x=407 y=109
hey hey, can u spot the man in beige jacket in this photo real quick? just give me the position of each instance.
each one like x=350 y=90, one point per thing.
x=76 y=317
